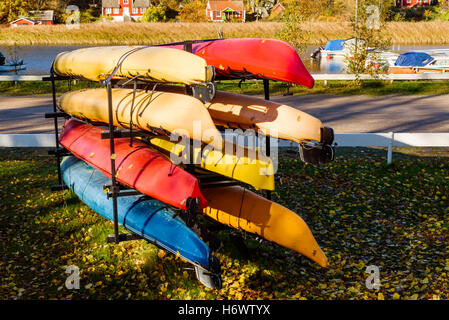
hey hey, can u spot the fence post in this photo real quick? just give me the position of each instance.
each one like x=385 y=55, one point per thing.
x=390 y=148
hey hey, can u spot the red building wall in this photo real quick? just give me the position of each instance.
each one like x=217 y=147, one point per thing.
x=220 y=18
x=413 y=3
x=140 y=11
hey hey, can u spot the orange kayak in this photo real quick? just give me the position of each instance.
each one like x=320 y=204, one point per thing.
x=241 y=111
x=240 y=208
x=274 y=119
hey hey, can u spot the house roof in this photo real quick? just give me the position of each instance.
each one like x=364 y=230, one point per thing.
x=141 y=4
x=278 y=6
x=22 y=18
x=45 y=15
x=220 y=5
x=110 y=3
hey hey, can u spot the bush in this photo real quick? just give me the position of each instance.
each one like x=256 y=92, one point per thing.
x=443 y=15
x=155 y=14
x=88 y=16
x=194 y=11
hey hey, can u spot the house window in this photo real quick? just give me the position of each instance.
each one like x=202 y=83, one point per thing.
x=135 y=10
x=125 y=1
x=108 y=10
x=409 y=1
x=236 y=14
x=116 y=11
x=218 y=14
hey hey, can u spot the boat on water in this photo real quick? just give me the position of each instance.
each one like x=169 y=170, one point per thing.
x=342 y=49
x=333 y=48
x=13 y=66
x=420 y=62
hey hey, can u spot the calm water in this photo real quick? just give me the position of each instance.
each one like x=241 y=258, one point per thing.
x=38 y=59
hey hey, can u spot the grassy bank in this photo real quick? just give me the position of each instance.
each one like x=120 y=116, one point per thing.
x=376 y=88
x=360 y=211
x=418 y=33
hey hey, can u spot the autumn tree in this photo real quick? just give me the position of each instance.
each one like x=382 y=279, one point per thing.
x=155 y=14
x=370 y=39
x=11 y=9
x=194 y=11
x=296 y=13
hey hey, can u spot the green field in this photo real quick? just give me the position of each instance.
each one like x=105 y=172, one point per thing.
x=375 y=88
x=361 y=211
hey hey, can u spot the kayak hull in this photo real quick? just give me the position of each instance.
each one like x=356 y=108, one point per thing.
x=151 y=219
x=233 y=161
x=254 y=58
x=137 y=166
x=161 y=111
x=239 y=111
x=149 y=63
x=240 y=208
x=236 y=110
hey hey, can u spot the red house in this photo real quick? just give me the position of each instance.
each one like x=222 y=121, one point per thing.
x=278 y=8
x=413 y=3
x=225 y=10
x=45 y=17
x=124 y=10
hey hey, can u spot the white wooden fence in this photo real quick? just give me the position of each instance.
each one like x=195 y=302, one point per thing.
x=388 y=140
x=23 y=77
x=391 y=77
x=316 y=76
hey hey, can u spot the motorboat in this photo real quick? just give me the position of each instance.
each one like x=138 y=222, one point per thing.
x=420 y=62
x=10 y=66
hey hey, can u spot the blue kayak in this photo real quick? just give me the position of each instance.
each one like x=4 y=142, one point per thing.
x=149 y=218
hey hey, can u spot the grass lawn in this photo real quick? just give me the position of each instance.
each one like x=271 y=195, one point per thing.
x=375 y=88
x=361 y=211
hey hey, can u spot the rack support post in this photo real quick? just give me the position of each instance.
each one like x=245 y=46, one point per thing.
x=112 y=153
x=266 y=90
x=55 y=119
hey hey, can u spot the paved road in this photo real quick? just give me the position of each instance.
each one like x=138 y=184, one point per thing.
x=25 y=114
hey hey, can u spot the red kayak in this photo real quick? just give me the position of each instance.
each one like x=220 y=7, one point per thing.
x=138 y=167
x=254 y=58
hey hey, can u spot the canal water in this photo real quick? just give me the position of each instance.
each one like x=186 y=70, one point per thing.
x=38 y=59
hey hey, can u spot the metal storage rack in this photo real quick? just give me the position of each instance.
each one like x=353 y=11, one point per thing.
x=115 y=189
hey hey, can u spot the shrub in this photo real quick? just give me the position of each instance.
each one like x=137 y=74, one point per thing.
x=194 y=11
x=155 y=14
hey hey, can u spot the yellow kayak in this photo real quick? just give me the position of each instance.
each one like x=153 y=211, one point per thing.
x=240 y=208
x=172 y=112
x=231 y=161
x=150 y=63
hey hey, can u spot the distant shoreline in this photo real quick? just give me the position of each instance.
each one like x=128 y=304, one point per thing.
x=401 y=33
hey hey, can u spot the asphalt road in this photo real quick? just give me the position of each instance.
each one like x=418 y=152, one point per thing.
x=398 y=113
